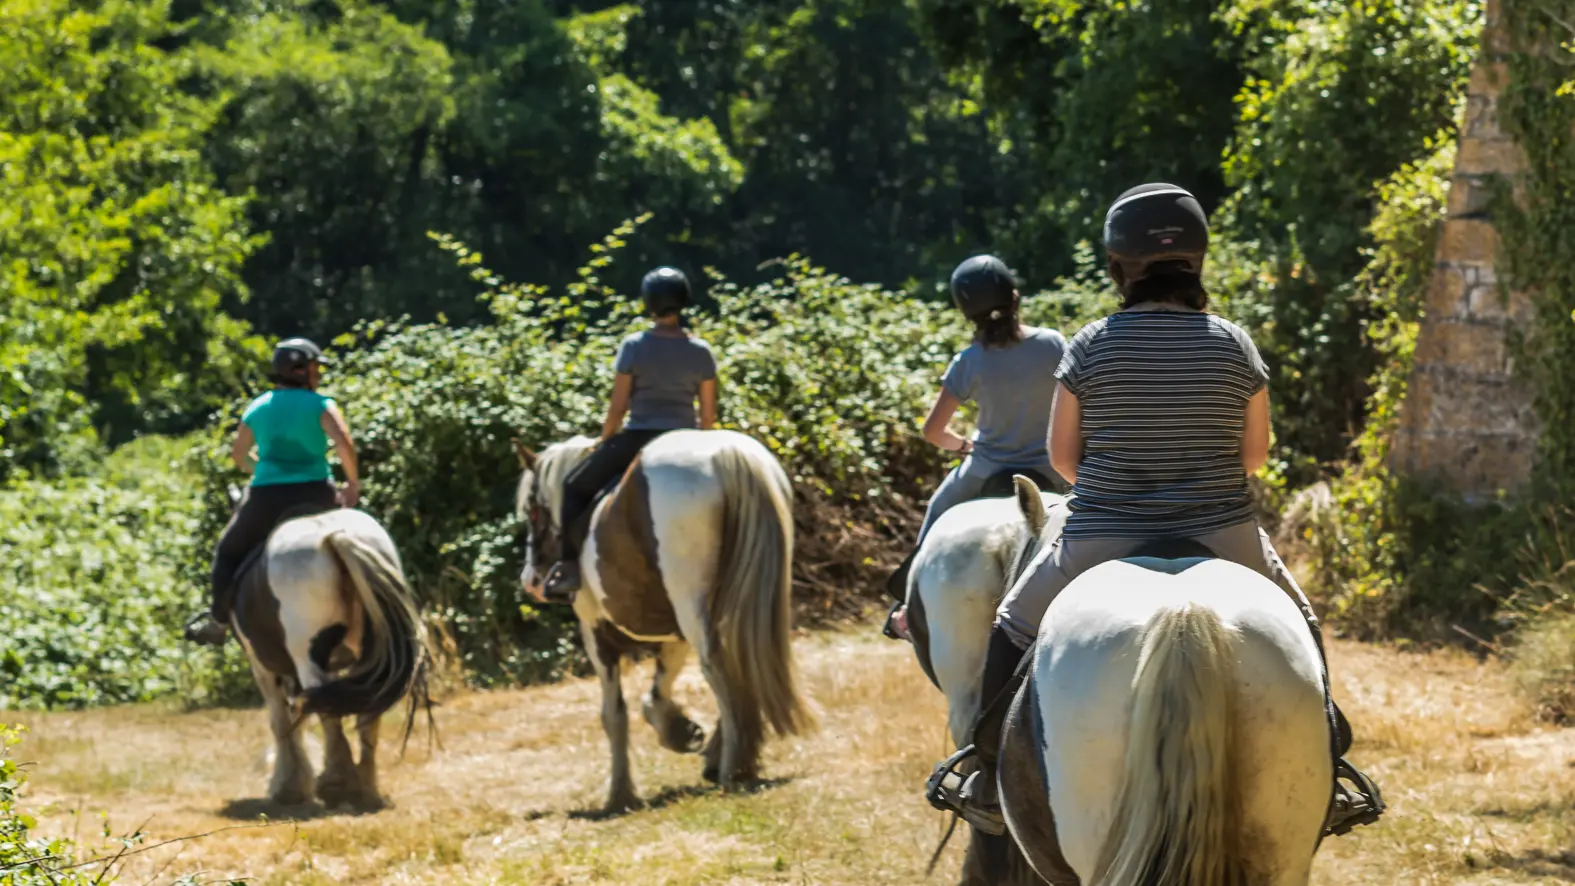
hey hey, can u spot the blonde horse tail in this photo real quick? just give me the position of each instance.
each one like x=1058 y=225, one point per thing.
x=395 y=655
x=751 y=607
x=1177 y=814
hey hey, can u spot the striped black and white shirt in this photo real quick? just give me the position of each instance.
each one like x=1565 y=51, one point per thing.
x=1163 y=395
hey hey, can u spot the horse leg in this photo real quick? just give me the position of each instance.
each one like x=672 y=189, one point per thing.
x=337 y=783
x=606 y=656
x=291 y=784
x=367 y=729
x=673 y=727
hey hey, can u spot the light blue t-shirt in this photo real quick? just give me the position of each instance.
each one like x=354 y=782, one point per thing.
x=291 y=444
x=1014 y=386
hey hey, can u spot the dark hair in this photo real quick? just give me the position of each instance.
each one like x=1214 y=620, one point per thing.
x=999 y=328
x=1167 y=283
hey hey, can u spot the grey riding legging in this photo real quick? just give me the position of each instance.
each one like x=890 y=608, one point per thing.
x=1065 y=559
x=964 y=483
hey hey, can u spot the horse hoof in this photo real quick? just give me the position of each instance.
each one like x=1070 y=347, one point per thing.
x=711 y=773
x=684 y=737
x=621 y=804
x=290 y=798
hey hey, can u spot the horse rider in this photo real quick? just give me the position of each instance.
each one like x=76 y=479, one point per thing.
x=1009 y=371
x=1161 y=413
x=291 y=427
x=660 y=373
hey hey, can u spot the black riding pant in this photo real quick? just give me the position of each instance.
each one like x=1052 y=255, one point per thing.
x=261 y=509
x=606 y=464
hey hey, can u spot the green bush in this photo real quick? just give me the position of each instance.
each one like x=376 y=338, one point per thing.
x=96 y=588
x=25 y=858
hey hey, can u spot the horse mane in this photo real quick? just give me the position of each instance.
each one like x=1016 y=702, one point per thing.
x=552 y=466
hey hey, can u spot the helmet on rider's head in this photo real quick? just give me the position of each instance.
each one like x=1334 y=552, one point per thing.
x=292 y=359
x=1155 y=225
x=665 y=291
x=981 y=285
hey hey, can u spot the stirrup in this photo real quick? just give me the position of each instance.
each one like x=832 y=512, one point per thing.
x=950 y=791
x=552 y=588
x=1351 y=809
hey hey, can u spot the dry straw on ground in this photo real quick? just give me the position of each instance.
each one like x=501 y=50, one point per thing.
x=1480 y=793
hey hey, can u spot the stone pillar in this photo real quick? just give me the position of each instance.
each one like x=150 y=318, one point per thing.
x=1466 y=423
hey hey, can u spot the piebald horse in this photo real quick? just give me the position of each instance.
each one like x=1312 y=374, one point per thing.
x=1172 y=731
x=693 y=548
x=328 y=622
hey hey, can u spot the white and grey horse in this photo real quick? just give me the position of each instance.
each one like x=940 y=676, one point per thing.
x=1172 y=731
x=328 y=622
x=694 y=548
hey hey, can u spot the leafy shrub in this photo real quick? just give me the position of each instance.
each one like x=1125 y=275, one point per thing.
x=95 y=593
x=26 y=859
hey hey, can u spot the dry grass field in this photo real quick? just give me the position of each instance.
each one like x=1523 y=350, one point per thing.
x=1479 y=794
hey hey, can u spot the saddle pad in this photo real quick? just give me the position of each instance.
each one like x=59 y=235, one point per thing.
x=634 y=596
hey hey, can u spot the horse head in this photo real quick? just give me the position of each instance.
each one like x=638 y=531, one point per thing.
x=538 y=502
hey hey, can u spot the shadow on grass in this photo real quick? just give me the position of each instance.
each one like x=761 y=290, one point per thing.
x=674 y=793
x=262 y=808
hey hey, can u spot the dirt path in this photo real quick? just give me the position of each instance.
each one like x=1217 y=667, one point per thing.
x=1478 y=794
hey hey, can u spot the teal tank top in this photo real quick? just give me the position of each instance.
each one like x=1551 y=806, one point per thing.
x=291 y=444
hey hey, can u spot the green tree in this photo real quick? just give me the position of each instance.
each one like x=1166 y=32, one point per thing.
x=116 y=248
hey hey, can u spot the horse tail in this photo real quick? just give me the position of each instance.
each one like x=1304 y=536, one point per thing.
x=394 y=656
x=1177 y=814
x=751 y=607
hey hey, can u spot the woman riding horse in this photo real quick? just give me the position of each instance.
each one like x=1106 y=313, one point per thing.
x=1161 y=413
x=290 y=426
x=660 y=374
x=1009 y=370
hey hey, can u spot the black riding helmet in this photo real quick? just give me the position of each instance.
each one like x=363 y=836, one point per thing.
x=983 y=284
x=1152 y=224
x=291 y=358
x=665 y=291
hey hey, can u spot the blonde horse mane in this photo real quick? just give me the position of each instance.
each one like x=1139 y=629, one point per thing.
x=1176 y=815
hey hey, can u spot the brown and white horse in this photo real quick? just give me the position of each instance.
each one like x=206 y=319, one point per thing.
x=330 y=627
x=694 y=548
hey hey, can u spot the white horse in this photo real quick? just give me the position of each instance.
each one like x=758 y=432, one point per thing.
x=959 y=575
x=694 y=548
x=1172 y=730
x=330 y=628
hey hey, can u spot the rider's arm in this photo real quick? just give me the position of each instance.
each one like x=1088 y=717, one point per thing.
x=708 y=404
x=935 y=430
x=618 y=406
x=241 y=449
x=1255 y=432
x=333 y=422
x=1066 y=433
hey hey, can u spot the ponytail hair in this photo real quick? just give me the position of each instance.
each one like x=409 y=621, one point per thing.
x=999 y=328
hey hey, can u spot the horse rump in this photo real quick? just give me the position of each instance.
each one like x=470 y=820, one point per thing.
x=394 y=659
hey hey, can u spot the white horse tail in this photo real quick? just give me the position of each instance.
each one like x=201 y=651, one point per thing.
x=394 y=655
x=1176 y=819
x=752 y=603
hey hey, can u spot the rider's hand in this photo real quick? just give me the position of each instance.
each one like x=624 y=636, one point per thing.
x=349 y=495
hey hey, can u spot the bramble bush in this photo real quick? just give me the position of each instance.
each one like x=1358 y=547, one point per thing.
x=94 y=588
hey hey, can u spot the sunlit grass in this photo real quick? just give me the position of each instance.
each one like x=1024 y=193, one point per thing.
x=1479 y=792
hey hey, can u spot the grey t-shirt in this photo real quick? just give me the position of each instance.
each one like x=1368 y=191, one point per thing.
x=668 y=369
x=1014 y=387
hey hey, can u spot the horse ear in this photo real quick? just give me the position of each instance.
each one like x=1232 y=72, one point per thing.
x=1029 y=502
x=526 y=457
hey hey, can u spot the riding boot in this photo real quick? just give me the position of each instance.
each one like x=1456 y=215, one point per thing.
x=1360 y=802
x=895 y=626
x=207 y=630
x=974 y=797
